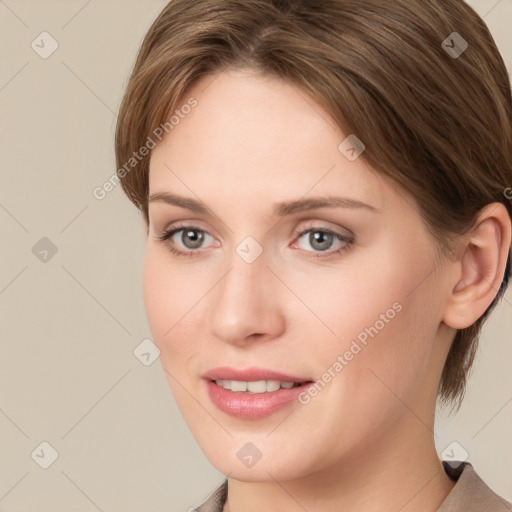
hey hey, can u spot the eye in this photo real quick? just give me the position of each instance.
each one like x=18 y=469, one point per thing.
x=321 y=240
x=191 y=237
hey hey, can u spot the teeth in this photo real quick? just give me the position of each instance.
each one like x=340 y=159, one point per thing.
x=259 y=386
x=238 y=385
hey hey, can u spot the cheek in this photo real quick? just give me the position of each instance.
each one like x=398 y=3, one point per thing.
x=175 y=302
x=382 y=323
x=155 y=283
x=167 y=298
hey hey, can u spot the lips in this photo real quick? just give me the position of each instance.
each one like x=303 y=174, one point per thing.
x=249 y=406
x=252 y=374
x=244 y=404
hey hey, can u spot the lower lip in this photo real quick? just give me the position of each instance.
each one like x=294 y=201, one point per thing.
x=252 y=406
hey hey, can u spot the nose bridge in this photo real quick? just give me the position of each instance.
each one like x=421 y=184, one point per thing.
x=245 y=302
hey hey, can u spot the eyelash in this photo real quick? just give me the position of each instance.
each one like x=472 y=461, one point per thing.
x=167 y=234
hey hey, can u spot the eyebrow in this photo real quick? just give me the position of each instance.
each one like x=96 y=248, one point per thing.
x=280 y=209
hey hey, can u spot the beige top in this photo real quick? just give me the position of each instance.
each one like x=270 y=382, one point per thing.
x=469 y=494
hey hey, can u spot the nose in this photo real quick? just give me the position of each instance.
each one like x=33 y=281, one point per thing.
x=245 y=305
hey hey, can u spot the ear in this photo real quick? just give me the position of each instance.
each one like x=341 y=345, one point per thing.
x=478 y=273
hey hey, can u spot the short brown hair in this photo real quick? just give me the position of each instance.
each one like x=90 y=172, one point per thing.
x=435 y=122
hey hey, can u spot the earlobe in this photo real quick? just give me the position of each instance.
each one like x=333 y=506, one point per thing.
x=481 y=267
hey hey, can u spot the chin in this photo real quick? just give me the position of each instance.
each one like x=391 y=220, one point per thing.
x=233 y=459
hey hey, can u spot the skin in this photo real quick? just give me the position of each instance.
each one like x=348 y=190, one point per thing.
x=366 y=441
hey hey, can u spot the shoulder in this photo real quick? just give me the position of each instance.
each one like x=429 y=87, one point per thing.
x=471 y=493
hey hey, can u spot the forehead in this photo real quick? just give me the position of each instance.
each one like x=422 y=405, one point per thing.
x=254 y=138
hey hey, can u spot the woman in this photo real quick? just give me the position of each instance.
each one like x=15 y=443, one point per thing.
x=324 y=187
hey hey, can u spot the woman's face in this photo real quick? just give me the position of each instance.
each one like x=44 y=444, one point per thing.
x=346 y=296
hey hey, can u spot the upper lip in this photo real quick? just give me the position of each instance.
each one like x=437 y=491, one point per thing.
x=251 y=374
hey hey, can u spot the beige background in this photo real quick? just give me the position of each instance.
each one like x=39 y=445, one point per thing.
x=69 y=326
